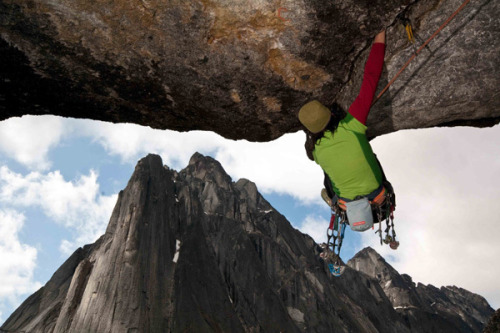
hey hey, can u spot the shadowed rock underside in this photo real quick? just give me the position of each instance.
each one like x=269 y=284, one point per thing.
x=243 y=69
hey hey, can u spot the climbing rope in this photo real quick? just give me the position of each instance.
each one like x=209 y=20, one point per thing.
x=420 y=49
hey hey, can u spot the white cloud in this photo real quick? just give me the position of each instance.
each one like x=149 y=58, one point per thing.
x=446 y=182
x=76 y=205
x=278 y=166
x=17 y=261
x=29 y=139
x=448 y=190
x=315 y=226
x=131 y=142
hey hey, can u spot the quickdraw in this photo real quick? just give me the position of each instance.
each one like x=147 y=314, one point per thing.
x=335 y=232
x=405 y=21
x=409 y=33
x=388 y=209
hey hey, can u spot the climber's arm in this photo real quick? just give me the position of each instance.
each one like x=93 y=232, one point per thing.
x=373 y=69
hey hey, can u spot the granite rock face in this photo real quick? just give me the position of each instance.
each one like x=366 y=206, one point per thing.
x=193 y=251
x=425 y=307
x=243 y=69
x=494 y=323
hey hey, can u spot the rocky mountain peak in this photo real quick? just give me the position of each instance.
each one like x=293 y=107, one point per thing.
x=207 y=169
x=417 y=301
x=397 y=288
x=194 y=251
x=370 y=255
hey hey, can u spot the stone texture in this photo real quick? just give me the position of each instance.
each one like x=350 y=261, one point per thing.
x=425 y=307
x=193 y=251
x=494 y=323
x=238 y=68
x=453 y=81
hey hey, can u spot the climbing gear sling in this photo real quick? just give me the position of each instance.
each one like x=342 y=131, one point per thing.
x=385 y=211
x=409 y=32
x=406 y=22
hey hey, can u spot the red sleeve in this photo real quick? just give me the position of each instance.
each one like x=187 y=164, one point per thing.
x=361 y=106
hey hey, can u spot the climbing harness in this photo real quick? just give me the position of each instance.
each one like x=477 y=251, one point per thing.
x=420 y=49
x=383 y=206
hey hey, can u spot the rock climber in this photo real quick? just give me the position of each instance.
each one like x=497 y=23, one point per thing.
x=336 y=140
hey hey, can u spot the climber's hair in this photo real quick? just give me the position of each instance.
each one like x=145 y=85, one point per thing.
x=312 y=138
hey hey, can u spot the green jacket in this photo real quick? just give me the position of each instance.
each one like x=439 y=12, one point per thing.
x=348 y=159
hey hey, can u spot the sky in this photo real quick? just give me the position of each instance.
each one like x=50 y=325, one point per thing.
x=59 y=180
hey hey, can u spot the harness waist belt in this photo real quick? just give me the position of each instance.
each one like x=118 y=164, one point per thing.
x=377 y=196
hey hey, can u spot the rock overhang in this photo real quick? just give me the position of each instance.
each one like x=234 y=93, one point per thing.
x=244 y=69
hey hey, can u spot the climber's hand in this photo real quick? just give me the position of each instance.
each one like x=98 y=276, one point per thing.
x=380 y=38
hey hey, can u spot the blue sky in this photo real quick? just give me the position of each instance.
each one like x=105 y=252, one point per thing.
x=59 y=180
